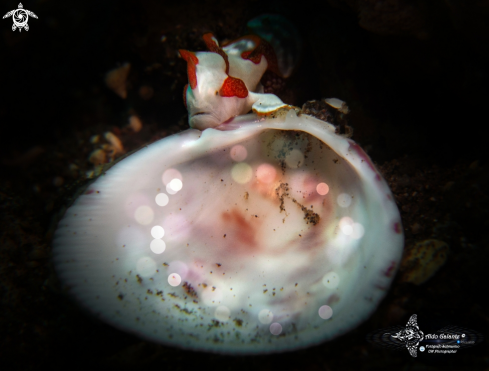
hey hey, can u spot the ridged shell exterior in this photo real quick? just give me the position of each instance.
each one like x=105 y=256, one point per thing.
x=262 y=256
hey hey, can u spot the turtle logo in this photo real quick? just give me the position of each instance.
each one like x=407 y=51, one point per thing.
x=20 y=17
x=411 y=335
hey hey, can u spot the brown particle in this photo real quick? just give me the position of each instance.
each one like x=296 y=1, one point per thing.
x=309 y=215
x=116 y=79
x=218 y=264
x=120 y=296
x=189 y=289
x=282 y=191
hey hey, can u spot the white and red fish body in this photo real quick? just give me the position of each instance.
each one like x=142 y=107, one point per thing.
x=225 y=82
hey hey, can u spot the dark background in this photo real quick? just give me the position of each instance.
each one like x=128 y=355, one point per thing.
x=415 y=75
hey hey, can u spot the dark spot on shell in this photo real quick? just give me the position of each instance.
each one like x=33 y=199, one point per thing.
x=397 y=228
x=390 y=270
x=189 y=289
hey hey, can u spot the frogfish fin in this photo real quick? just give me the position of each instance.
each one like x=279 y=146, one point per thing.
x=192 y=62
x=267 y=104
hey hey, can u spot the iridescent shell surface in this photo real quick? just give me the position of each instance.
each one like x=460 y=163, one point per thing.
x=262 y=235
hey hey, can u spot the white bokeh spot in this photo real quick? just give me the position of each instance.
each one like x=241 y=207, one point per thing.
x=331 y=280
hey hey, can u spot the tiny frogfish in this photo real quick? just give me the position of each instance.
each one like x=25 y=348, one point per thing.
x=225 y=81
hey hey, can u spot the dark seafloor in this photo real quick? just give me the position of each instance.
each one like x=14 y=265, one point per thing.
x=415 y=75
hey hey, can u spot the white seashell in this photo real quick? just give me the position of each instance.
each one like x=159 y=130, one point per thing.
x=263 y=235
